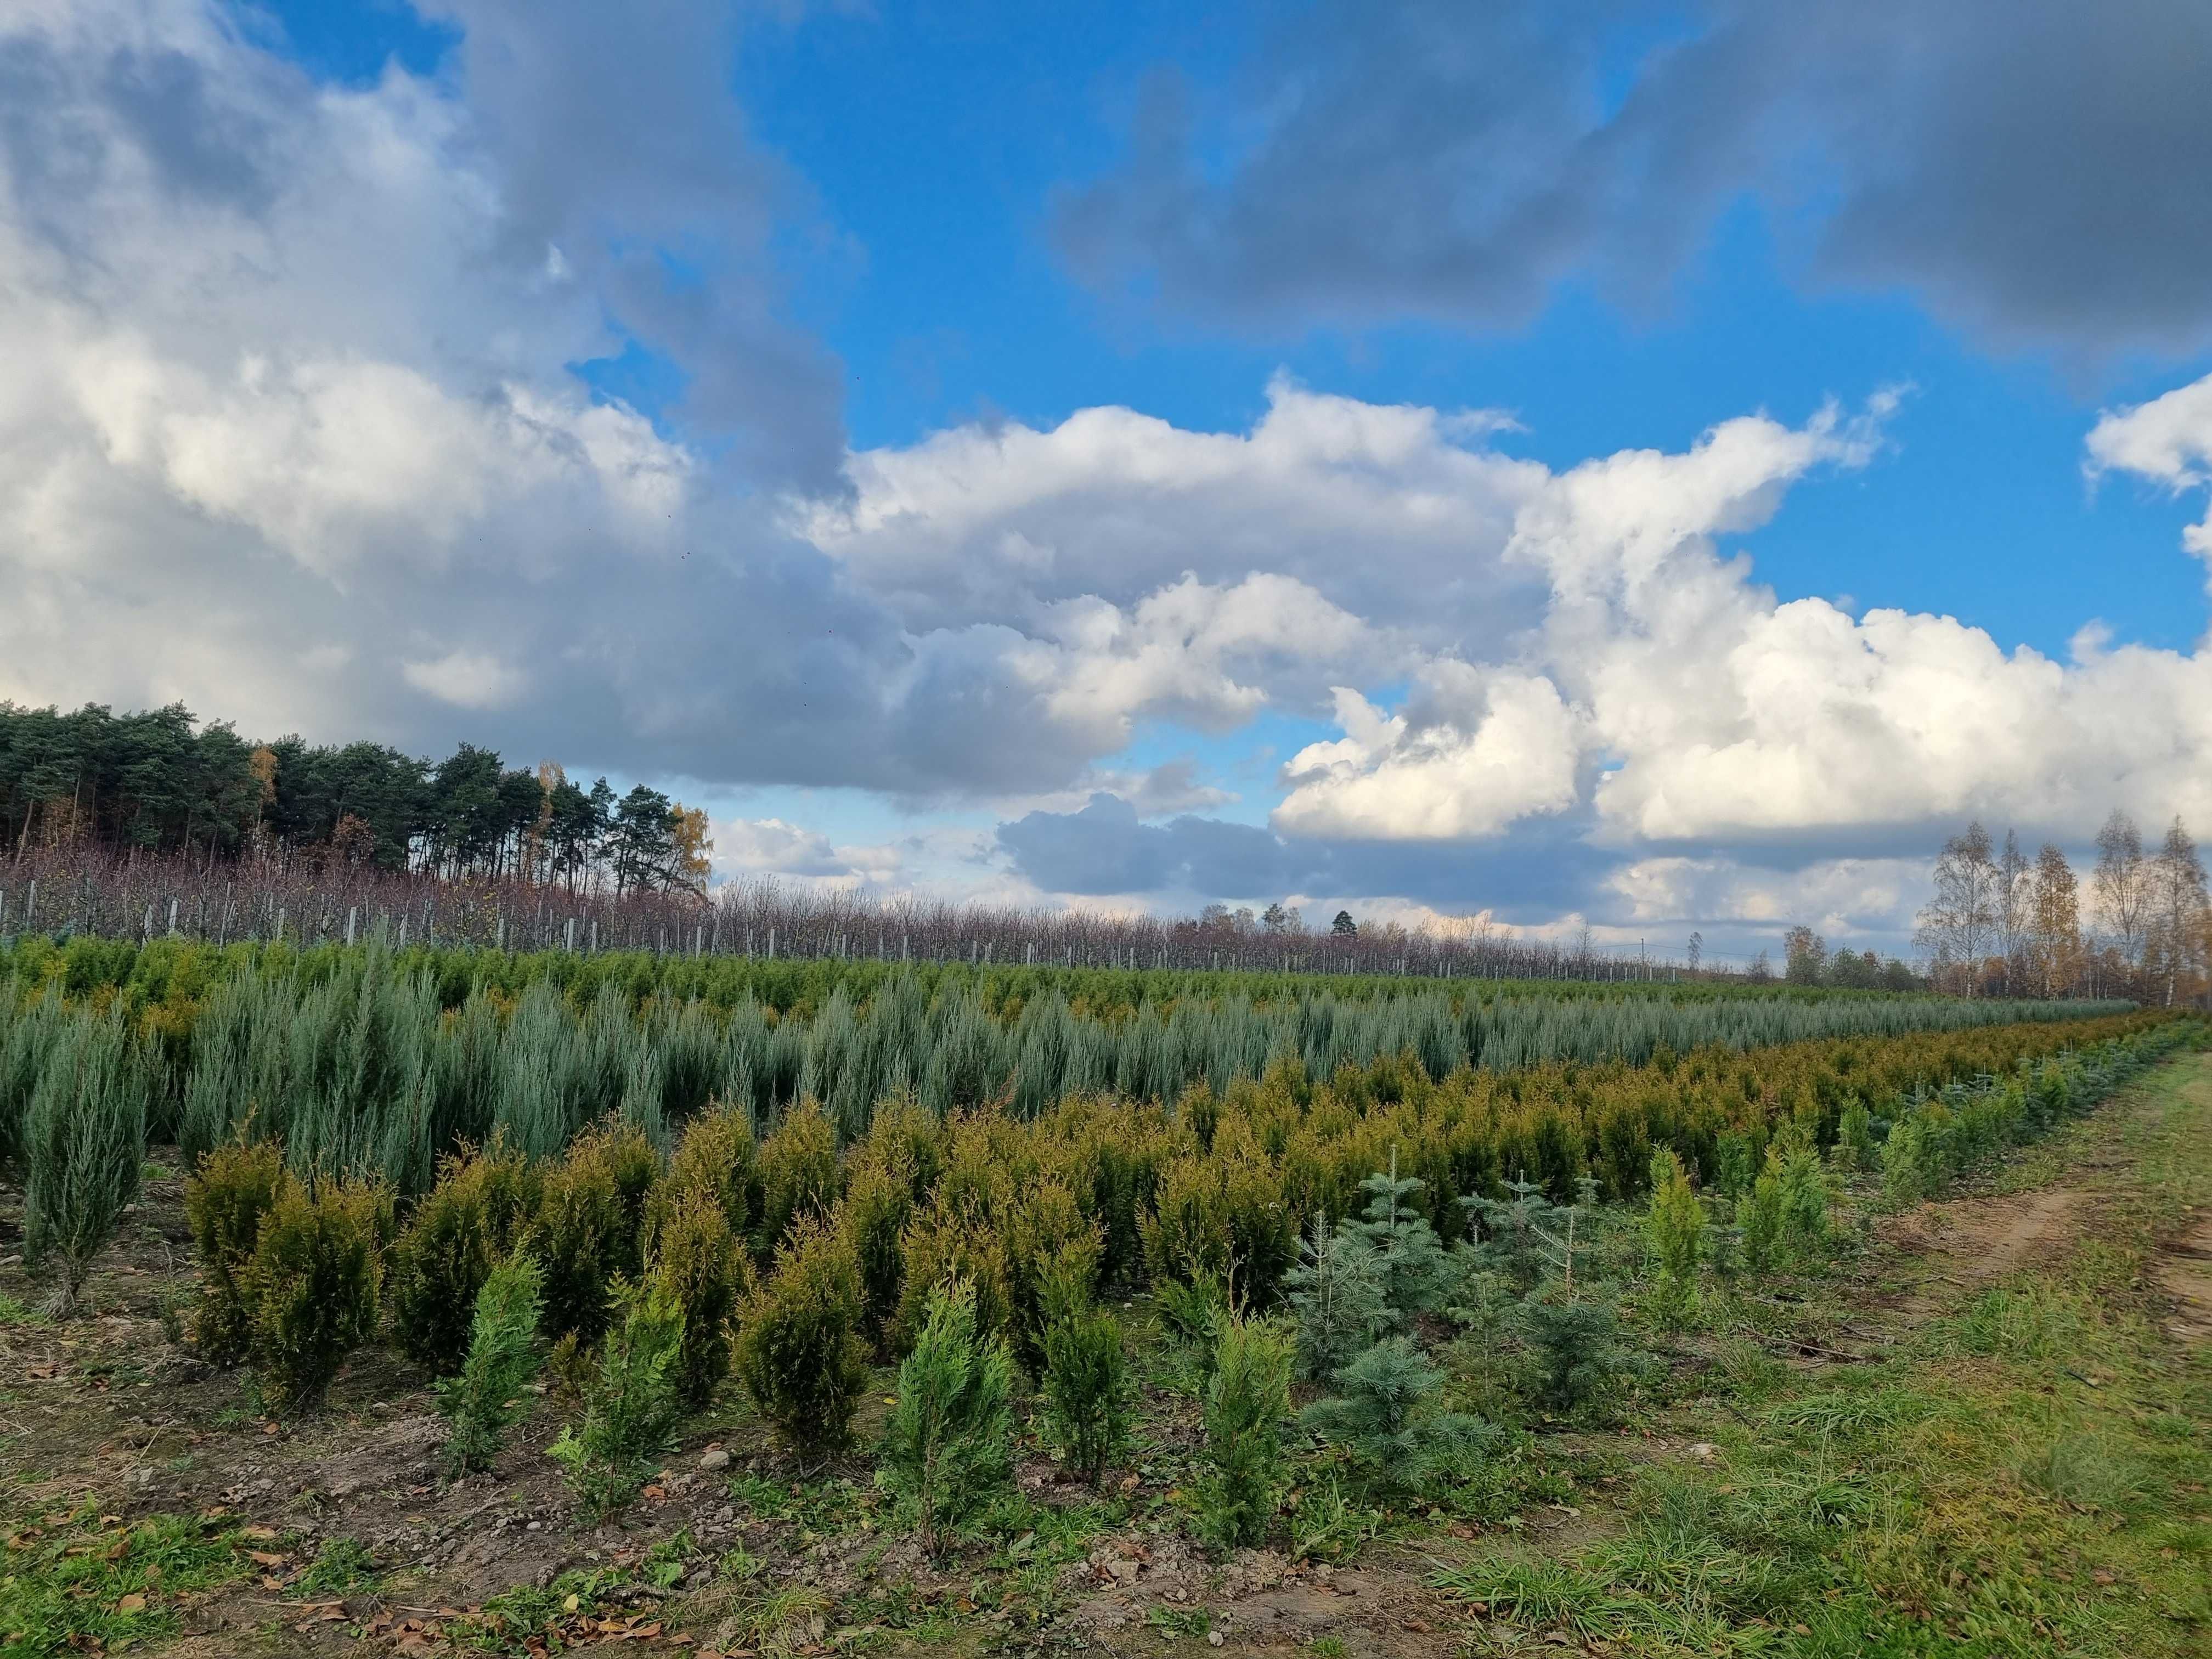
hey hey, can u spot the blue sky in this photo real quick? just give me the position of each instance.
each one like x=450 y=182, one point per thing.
x=749 y=349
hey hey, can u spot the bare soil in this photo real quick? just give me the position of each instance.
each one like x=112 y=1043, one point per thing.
x=1970 y=1244
x=108 y=1410
x=2185 y=1275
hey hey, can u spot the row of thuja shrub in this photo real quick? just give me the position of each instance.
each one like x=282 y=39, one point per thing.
x=371 y=1061
x=1427 y=1355
x=1107 y=1190
x=1428 y=1358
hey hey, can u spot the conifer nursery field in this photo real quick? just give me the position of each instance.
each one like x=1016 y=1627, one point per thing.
x=471 y=1302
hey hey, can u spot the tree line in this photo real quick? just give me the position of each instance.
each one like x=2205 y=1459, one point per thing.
x=1999 y=923
x=160 y=781
x=1806 y=960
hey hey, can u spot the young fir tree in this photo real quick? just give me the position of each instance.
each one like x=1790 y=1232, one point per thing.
x=1510 y=1230
x=84 y=1143
x=949 y=1448
x=1576 y=1350
x=483 y=1400
x=1337 y=1289
x=1386 y=1413
x=1410 y=1262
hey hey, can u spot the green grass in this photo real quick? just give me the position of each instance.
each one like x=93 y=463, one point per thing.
x=2027 y=1475
x=15 y=1314
x=88 y=1582
x=526 y=1620
x=341 y=1566
x=1178 y=1621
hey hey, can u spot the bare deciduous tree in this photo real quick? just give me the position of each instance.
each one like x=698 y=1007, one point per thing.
x=2118 y=884
x=1959 y=923
x=2054 y=920
x=2010 y=922
x=2173 y=908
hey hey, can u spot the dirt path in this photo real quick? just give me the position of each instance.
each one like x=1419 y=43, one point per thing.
x=1971 y=1242
x=2185 y=1274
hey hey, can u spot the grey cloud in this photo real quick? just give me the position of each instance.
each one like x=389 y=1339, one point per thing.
x=1530 y=875
x=1173 y=787
x=618 y=141
x=288 y=432
x=2041 y=171
x=197 y=141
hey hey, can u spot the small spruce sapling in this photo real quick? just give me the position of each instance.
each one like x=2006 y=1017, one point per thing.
x=1337 y=1290
x=482 y=1401
x=1510 y=1230
x=1577 y=1355
x=1411 y=1263
x=1245 y=1405
x=948 y=1449
x=1386 y=1413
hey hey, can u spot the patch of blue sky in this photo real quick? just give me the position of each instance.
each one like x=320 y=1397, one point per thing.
x=349 y=44
x=650 y=382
